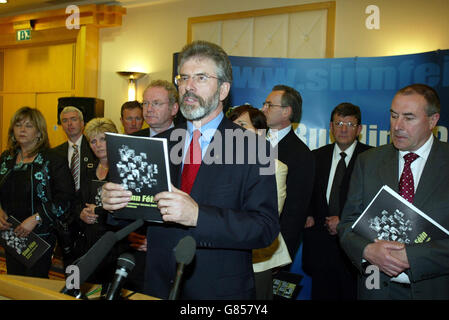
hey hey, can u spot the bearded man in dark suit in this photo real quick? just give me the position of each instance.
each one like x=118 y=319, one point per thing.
x=228 y=208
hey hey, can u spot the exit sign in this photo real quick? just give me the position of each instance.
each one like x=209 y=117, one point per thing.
x=22 y=35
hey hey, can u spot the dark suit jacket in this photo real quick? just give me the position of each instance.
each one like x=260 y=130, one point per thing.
x=88 y=160
x=301 y=168
x=142 y=133
x=429 y=271
x=87 y=157
x=321 y=250
x=237 y=213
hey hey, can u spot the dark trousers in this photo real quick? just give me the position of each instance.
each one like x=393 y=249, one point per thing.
x=263 y=282
x=399 y=291
x=334 y=284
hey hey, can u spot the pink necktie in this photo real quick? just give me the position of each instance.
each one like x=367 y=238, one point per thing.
x=192 y=163
x=406 y=184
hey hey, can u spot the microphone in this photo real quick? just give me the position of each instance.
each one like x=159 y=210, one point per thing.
x=92 y=258
x=125 y=263
x=128 y=229
x=184 y=253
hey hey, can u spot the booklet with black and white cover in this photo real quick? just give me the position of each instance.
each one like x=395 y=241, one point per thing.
x=391 y=217
x=139 y=164
x=27 y=249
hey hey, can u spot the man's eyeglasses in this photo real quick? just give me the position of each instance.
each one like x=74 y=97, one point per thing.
x=154 y=104
x=270 y=105
x=198 y=79
x=340 y=124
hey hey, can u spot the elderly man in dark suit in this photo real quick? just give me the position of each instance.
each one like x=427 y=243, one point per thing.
x=417 y=270
x=228 y=208
x=282 y=107
x=333 y=277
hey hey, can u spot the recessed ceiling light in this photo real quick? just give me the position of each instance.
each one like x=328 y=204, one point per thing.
x=3 y=1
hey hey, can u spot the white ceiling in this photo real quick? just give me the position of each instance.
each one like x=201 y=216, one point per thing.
x=15 y=7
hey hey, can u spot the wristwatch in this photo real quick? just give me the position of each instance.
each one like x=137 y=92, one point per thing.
x=38 y=218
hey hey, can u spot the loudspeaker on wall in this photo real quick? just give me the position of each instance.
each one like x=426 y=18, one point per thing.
x=90 y=107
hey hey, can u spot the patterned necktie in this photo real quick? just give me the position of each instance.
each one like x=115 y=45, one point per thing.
x=75 y=166
x=334 y=197
x=192 y=163
x=406 y=184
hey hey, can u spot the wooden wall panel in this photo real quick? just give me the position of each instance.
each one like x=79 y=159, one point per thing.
x=47 y=103
x=11 y=103
x=39 y=69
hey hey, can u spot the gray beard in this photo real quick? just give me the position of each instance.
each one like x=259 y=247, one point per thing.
x=205 y=108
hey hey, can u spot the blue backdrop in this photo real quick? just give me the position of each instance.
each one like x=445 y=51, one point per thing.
x=369 y=83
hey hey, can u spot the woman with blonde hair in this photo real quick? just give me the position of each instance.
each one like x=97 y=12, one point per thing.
x=92 y=217
x=34 y=187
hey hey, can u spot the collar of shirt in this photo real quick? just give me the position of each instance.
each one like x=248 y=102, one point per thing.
x=274 y=136
x=77 y=142
x=335 y=159
x=70 y=148
x=349 y=152
x=153 y=133
x=207 y=132
x=417 y=166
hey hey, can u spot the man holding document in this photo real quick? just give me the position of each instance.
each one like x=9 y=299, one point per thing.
x=228 y=208
x=416 y=165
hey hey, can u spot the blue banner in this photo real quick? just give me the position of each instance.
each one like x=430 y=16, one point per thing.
x=369 y=83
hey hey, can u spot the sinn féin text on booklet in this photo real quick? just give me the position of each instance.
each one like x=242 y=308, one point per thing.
x=139 y=164
x=390 y=217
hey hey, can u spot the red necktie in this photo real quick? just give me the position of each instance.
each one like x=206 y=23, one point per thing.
x=406 y=184
x=192 y=163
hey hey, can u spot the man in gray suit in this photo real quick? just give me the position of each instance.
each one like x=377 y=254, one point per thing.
x=418 y=270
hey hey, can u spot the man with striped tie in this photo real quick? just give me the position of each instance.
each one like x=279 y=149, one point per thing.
x=79 y=157
x=76 y=149
x=416 y=165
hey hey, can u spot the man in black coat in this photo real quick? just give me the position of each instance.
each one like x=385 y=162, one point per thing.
x=72 y=122
x=282 y=107
x=333 y=278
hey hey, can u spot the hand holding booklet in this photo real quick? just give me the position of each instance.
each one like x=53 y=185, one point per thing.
x=390 y=217
x=140 y=165
x=27 y=249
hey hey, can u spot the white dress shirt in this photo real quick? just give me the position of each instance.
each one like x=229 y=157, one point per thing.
x=335 y=159
x=417 y=168
x=274 y=135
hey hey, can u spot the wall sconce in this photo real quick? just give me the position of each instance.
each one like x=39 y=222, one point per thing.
x=132 y=78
